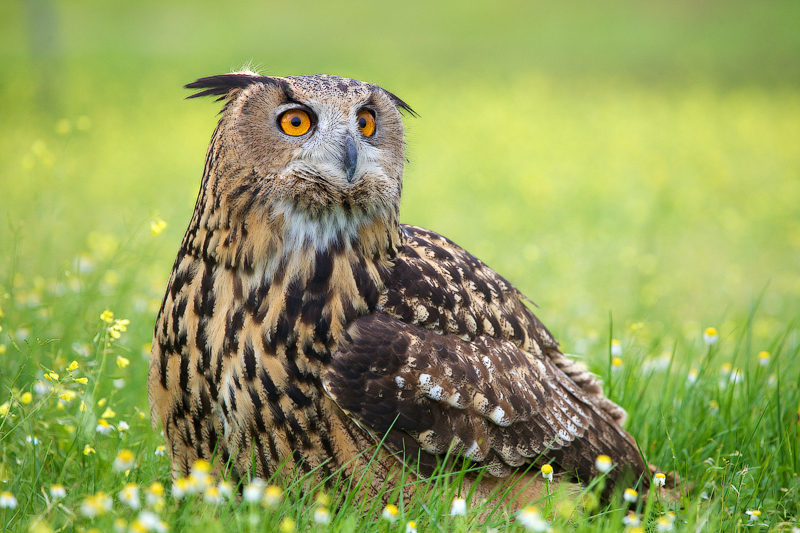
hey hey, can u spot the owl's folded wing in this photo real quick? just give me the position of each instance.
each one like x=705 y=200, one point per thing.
x=424 y=394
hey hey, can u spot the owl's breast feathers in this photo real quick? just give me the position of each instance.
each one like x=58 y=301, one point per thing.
x=308 y=357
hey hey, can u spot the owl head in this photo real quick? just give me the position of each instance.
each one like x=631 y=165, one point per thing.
x=323 y=148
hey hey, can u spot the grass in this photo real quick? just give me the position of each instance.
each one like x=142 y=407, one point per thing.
x=633 y=169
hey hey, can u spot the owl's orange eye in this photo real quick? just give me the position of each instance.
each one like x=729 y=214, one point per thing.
x=366 y=123
x=295 y=122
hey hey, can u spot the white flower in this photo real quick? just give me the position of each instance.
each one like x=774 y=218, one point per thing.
x=181 y=488
x=124 y=461
x=754 y=514
x=663 y=524
x=212 y=495
x=148 y=521
x=272 y=496
x=129 y=495
x=459 y=507
x=411 y=527
x=103 y=427
x=659 y=480
x=630 y=495
x=763 y=358
x=616 y=348
x=159 y=451
x=123 y=426
x=390 y=513
x=631 y=519
x=253 y=491
x=322 y=516
x=225 y=489
x=691 y=377
x=154 y=495
x=532 y=520
x=58 y=492
x=96 y=505
x=616 y=364
x=603 y=463
x=7 y=501
x=547 y=472
x=710 y=336
x=30 y=439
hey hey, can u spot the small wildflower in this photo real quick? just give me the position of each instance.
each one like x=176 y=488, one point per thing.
x=199 y=478
x=725 y=369
x=51 y=376
x=157 y=226
x=148 y=521
x=120 y=525
x=631 y=519
x=616 y=348
x=390 y=513
x=159 y=451
x=272 y=496
x=710 y=336
x=225 y=489
x=129 y=495
x=691 y=377
x=124 y=461
x=26 y=398
x=547 y=472
x=713 y=406
x=636 y=529
x=5 y=408
x=103 y=427
x=660 y=479
x=3 y=349
x=180 y=488
x=67 y=396
x=737 y=376
x=101 y=402
x=458 y=507
x=107 y=316
x=753 y=514
x=82 y=407
x=30 y=439
x=108 y=413
x=96 y=505
x=122 y=362
x=603 y=463
x=763 y=358
x=253 y=491
x=154 y=495
x=663 y=524
x=7 y=501
x=322 y=516
x=287 y=525
x=119 y=383
x=630 y=495
x=87 y=450
x=411 y=527
x=616 y=364
x=82 y=381
x=212 y=495
x=72 y=366
x=532 y=519
x=58 y=492
x=123 y=426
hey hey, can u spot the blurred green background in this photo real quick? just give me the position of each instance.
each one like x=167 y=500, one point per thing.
x=639 y=158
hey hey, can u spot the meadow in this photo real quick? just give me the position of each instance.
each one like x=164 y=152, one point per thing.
x=634 y=170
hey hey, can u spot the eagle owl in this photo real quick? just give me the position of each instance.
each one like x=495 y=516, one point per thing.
x=302 y=323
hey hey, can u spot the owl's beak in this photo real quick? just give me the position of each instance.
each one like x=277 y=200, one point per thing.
x=350 y=157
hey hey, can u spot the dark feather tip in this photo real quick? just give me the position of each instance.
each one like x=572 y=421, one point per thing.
x=223 y=84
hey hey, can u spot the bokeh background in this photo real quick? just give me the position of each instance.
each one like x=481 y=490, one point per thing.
x=639 y=160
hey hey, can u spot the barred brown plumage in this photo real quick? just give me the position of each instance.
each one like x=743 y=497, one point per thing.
x=302 y=323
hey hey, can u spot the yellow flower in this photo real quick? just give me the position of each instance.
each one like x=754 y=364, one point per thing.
x=2 y=349
x=51 y=376
x=547 y=472
x=122 y=362
x=107 y=316
x=101 y=402
x=272 y=496
x=82 y=381
x=411 y=527
x=156 y=489
x=616 y=363
x=87 y=450
x=659 y=480
x=72 y=366
x=122 y=324
x=26 y=398
x=287 y=525
x=108 y=413
x=5 y=408
x=157 y=226
x=82 y=407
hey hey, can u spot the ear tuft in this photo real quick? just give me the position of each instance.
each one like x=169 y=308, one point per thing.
x=224 y=84
x=401 y=104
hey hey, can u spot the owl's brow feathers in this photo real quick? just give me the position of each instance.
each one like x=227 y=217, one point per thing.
x=223 y=84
